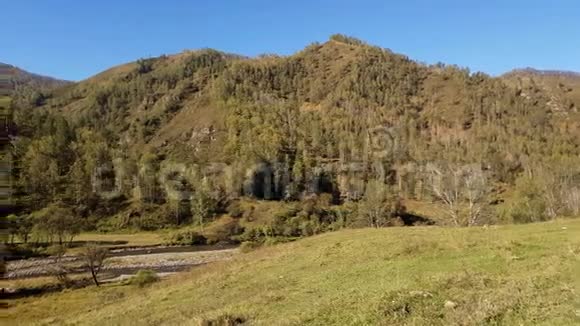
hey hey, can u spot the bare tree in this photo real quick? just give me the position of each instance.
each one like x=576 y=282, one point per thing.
x=446 y=188
x=560 y=191
x=476 y=193
x=95 y=258
x=463 y=192
x=573 y=200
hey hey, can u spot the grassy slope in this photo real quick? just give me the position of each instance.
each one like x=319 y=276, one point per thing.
x=505 y=275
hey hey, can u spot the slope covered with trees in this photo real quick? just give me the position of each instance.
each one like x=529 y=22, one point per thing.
x=344 y=132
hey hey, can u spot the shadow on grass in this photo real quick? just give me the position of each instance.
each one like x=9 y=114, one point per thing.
x=410 y=219
x=24 y=292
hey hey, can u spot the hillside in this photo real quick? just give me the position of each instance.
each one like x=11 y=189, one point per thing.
x=27 y=89
x=22 y=77
x=563 y=87
x=507 y=275
x=167 y=137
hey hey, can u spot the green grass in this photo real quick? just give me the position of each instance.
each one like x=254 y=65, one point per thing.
x=525 y=274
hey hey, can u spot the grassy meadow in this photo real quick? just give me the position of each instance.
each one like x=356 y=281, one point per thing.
x=504 y=275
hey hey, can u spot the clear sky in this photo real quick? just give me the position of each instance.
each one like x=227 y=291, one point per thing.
x=75 y=39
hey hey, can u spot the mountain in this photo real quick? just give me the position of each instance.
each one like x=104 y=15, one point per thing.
x=27 y=88
x=20 y=77
x=324 y=120
x=171 y=101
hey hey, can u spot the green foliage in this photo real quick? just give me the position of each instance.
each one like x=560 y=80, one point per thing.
x=57 y=223
x=528 y=205
x=204 y=204
x=248 y=246
x=19 y=226
x=186 y=237
x=145 y=65
x=379 y=206
x=143 y=278
x=55 y=250
x=346 y=39
x=288 y=127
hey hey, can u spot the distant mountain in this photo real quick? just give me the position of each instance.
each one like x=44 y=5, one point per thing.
x=20 y=77
x=532 y=71
x=26 y=88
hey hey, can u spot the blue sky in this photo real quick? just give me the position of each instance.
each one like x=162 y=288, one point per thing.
x=76 y=39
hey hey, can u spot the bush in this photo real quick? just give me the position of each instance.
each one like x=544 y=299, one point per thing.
x=186 y=238
x=235 y=210
x=346 y=39
x=144 y=277
x=56 y=250
x=527 y=204
x=252 y=234
x=26 y=250
x=224 y=230
x=110 y=224
x=248 y=246
x=148 y=222
x=225 y=320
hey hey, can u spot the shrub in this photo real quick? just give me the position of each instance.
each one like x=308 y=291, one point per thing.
x=225 y=320
x=223 y=230
x=527 y=204
x=145 y=65
x=143 y=278
x=346 y=39
x=106 y=225
x=55 y=250
x=186 y=238
x=248 y=246
x=252 y=234
x=148 y=222
x=235 y=210
x=27 y=250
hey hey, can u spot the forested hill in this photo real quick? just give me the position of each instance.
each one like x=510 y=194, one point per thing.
x=29 y=87
x=300 y=122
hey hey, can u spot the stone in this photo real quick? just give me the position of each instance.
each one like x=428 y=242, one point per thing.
x=450 y=304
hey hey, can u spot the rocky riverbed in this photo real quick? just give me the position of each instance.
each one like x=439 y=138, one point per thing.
x=159 y=259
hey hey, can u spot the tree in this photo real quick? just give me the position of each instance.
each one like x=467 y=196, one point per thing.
x=148 y=181
x=145 y=65
x=12 y=226
x=87 y=176
x=58 y=221
x=527 y=203
x=40 y=174
x=24 y=225
x=203 y=205
x=462 y=191
x=95 y=259
x=378 y=205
